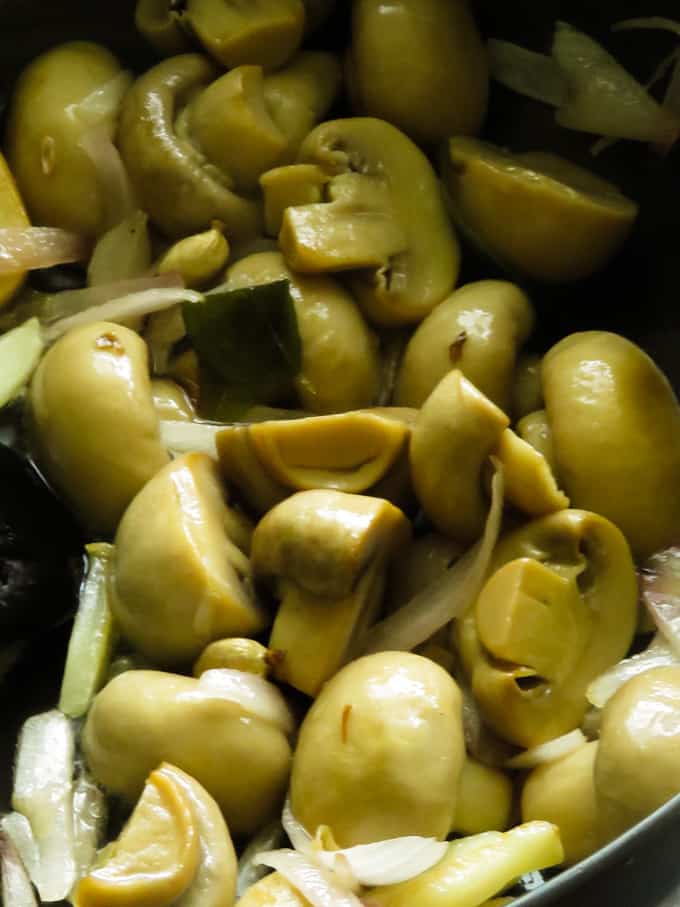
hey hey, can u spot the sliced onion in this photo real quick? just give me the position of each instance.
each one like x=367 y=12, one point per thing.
x=27 y=248
x=660 y=587
x=188 y=437
x=270 y=838
x=313 y=882
x=531 y=74
x=135 y=305
x=386 y=862
x=603 y=98
x=254 y=693
x=657 y=655
x=17 y=890
x=18 y=829
x=114 y=184
x=89 y=819
x=72 y=302
x=43 y=792
x=446 y=598
x=103 y=104
x=122 y=253
x=550 y=751
x=20 y=351
x=654 y=22
x=298 y=835
x=91 y=642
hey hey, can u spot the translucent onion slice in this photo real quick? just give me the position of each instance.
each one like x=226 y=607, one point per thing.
x=72 y=302
x=122 y=253
x=135 y=305
x=652 y=22
x=314 y=883
x=18 y=828
x=43 y=792
x=255 y=694
x=603 y=98
x=529 y=73
x=17 y=890
x=91 y=642
x=657 y=655
x=189 y=437
x=270 y=838
x=660 y=586
x=298 y=835
x=446 y=598
x=550 y=751
x=89 y=820
x=20 y=351
x=103 y=104
x=27 y=248
x=386 y=862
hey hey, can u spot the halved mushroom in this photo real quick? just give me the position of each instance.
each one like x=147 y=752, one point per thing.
x=93 y=424
x=179 y=579
x=457 y=430
x=558 y=610
x=478 y=329
x=615 y=424
x=175 y=845
x=328 y=553
x=637 y=767
x=56 y=177
x=266 y=33
x=181 y=191
x=340 y=364
x=229 y=730
x=382 y=217
x=247 y=122
x=160 y=23
x=431 y=50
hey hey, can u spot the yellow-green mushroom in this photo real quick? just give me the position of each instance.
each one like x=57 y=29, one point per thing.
x=380 y=752
x=433 y=52
x=327 y=552
x=180 y=581
x=615 y=426
x=232 y=740
x=47 y=124
x=93 y=424
x=559 y=608
x=382 y=218
x=340 y=363
x=180 y=190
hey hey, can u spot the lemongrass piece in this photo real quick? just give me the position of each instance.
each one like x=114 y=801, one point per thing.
x=385 y=862
x=657 y=655
x=528 y=73
x=270 y=837
x=18 y=829
x=135 y=305
x=72 y=302
x=603 y=98
x=258 y=696
x=190 y=437
x=28 y=248
x=43 y=792
x=20 y=351
x=17 y=890
x=91 y=642
x=313 y=882
x=550 y=751
x=447 y=597
x=89 y=820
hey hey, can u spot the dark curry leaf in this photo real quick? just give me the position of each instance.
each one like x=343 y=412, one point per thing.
x=248 y=339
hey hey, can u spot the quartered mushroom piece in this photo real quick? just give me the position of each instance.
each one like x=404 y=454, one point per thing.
x=180 y=579
x=560 y=607
x=326 y=552
x=353 y=452
x=380 y=216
